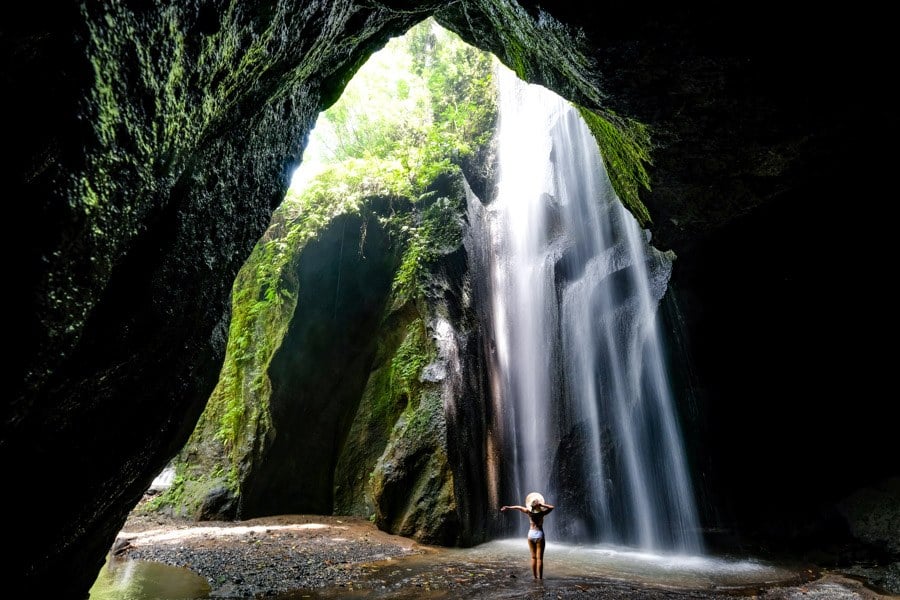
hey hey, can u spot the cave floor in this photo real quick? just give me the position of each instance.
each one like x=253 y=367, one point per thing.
x=290 y=557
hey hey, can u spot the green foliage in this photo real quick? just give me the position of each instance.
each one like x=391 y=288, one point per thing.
x=356 y=179
x=172 y=497
x=414 y=353
x=428 y=233
x=188 y=490
x=460 y=81
x=625 y=147
x=422 y=103
x=415 y=111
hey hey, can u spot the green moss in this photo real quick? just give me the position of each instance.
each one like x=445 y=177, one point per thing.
x=416 y=351
x=515 y=55
x=532 y=43
x=193 y=84
x=189 y=488
x=625 y=147
x=405 y=348
x=427 y=233
x=170 y=498
x=423 y=417
x=264 y=298
x=413 y=483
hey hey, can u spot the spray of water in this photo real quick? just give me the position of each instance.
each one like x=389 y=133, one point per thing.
x=585 y=408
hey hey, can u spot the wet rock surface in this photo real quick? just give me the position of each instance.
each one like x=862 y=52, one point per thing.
x=310 y=556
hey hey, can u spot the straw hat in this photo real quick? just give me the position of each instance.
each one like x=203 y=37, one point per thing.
x=531 y=498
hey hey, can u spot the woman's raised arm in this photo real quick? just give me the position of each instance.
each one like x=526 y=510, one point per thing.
x=518 y=508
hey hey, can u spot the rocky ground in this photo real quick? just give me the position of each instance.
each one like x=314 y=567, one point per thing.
x=264 y=556
x=308 y=556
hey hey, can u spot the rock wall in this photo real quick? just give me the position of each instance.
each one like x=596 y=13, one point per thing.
x=351 y=397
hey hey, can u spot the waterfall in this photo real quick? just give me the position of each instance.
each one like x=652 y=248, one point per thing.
x=583 y=409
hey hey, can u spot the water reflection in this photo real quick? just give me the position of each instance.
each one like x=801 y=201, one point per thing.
x=628 y=564
x=147 y=580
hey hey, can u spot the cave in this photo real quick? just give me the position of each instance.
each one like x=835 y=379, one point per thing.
x=149 y=145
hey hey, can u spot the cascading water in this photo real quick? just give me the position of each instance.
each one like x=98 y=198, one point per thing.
x=582 y=403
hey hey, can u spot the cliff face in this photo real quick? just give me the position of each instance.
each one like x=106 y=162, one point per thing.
x=151 y=144
x=341 y=391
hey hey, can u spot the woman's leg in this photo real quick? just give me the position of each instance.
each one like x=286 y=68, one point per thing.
x=540 y=557
x=533 y=546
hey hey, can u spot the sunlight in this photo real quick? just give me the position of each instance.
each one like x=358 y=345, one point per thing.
x=386 y=90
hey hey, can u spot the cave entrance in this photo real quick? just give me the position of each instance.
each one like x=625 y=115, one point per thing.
x=321 y=379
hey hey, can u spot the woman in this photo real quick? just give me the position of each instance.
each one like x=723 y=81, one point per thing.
x=536 y=511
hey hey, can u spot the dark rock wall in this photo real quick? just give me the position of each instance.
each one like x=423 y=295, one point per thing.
x=320 y=368
x=380 y=406
x=784 y=321
x=461 y=365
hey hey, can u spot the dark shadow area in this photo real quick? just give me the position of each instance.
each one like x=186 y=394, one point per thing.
x=320 y=370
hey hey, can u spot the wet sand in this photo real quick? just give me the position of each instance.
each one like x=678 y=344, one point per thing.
x=290 y=557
